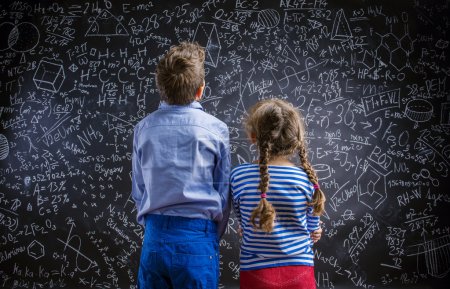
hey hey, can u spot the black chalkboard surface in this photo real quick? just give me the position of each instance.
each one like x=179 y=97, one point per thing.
x=372 y=79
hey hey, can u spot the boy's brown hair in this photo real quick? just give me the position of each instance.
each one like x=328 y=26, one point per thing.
x=180 y=73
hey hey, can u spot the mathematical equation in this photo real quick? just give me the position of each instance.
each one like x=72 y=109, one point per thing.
x=370 y=79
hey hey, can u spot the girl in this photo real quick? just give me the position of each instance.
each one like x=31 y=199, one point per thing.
x=277 y=203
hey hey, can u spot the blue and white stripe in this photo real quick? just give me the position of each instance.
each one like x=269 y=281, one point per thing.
x=289 y=192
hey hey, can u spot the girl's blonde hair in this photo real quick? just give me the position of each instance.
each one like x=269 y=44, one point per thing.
x=279 y=131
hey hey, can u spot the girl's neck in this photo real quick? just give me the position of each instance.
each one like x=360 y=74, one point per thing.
x=280 y=161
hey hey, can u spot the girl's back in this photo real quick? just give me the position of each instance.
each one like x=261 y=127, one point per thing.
x=289 y=243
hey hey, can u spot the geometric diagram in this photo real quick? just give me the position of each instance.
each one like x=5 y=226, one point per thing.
x=290 y=55
x=445 y=113
x=435 y=254
x=4 y=147
x=35 y=250
x=82 y=262
x=323 y=171
x=268 y=18
x=206 y=33
x=301 y=76
x=394 y=49
x=341 y=29
x=106 y=24
x=419 y=110
x=118 y=125
x=368 y=59
x=49 y=75
x=73 y=67
x=371 y=186
x=22 y=37
x=425 y=174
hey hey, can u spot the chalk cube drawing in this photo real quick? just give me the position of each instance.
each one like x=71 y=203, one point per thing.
x=49 y=76
x=207 y=36
x=35 y=250
x=371 y=188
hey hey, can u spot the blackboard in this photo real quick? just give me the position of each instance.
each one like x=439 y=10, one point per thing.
x=370 y=77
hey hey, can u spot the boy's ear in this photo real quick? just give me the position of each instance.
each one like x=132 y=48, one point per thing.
x=199 y=92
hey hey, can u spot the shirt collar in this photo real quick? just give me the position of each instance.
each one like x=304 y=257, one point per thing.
x=194 y=104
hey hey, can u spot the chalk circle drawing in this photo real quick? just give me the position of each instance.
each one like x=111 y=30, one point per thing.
x=268 y=18
x=49 y=75
x=419 y=110
x=371 y=186
x=36 y=250
x=435 y=254
x=425 y=174
x=106 y=24
x=22 y=37
x=207 y=36
x=323 y=171
x=341 y=29
x=4 y=147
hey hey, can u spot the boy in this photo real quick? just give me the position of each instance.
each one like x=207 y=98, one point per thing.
x=181 y=164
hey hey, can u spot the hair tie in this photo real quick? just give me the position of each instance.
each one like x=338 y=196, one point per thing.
x=316 y=186
x=263 y=196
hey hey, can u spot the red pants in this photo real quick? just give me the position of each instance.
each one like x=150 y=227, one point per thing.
x=287 y=277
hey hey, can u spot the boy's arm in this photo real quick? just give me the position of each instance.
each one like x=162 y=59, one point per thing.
x=137 y=181
x=221 y=182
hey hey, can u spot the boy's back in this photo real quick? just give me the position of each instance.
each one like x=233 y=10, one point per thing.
x=178 y=148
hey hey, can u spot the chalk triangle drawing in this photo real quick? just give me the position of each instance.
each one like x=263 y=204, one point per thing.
x=117 y=124
x=314 y=24
x=288 y=54
x=106 y=24
x=341 y=28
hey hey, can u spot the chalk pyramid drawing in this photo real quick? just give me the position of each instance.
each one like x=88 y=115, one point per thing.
x=207 y=36
x=341 y=29
x=106 y=24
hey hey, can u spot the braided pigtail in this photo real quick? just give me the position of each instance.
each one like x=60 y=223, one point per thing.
x=318 y=200
x=264 y=211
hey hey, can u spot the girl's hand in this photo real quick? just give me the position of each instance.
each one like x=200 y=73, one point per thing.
x=317 y=234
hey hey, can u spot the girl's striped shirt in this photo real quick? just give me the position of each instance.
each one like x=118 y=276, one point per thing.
x=289 y=191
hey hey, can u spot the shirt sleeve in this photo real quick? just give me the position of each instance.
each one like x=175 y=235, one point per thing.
x=137 y=181
x=313 y=222
x=236 y=207
x=221 y=181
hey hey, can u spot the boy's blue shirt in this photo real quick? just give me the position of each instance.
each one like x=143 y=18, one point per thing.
x=181 y=164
